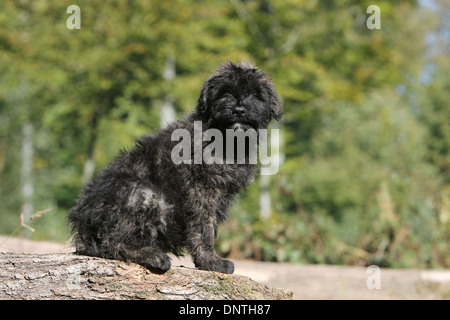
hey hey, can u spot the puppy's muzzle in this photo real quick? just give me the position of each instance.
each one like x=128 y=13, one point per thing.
x=239 y=112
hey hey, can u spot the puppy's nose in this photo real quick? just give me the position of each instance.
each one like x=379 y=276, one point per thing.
x=239 y=111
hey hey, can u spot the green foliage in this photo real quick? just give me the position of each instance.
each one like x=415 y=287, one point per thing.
x=366 y=132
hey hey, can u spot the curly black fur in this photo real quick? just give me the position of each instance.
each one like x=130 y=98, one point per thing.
x=143 y=205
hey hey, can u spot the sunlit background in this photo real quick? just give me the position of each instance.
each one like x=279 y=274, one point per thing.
x=365 y=133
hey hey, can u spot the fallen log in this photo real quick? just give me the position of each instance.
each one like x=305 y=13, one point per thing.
x=71 y=276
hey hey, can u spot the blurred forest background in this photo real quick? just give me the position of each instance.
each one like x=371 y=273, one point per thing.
x=366 y=131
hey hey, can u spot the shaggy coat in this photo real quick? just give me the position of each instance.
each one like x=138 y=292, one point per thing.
x=142 y=205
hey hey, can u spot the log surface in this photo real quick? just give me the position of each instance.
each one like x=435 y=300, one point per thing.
x=70 y=276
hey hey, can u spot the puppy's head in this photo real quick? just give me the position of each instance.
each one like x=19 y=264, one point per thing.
x=239 y=97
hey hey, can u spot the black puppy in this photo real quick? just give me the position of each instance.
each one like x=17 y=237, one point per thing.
x=144 y=205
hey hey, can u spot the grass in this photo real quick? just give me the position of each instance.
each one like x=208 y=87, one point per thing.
x=24 y=224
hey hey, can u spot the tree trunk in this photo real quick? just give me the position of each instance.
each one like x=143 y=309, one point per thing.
x=265 y=202
x=89 y=164
x=70 y=276
x=26 y=172
x=167 y=113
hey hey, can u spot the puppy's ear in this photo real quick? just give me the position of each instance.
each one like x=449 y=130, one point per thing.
x=275 y=104
x=202 y=103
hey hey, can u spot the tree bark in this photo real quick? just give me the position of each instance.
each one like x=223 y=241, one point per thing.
x=70 y=276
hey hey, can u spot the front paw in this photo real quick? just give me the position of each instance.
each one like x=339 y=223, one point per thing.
x=217 y=264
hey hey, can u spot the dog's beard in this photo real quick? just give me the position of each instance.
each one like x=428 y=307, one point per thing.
x=224 y=119
x=240 y=126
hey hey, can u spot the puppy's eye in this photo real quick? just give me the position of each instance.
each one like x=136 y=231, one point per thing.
x=227 y=95
x=256 y=94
